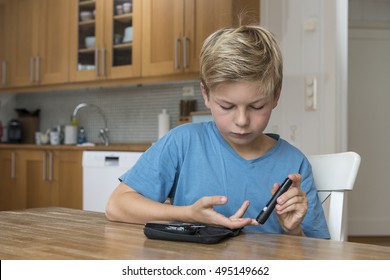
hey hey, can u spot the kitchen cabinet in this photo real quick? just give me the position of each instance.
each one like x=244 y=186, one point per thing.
x=40 y=178
x=114 y=34
x=40 y=42
x=53 y=178
x=12 y=188
x=174 y=31
x=5 y=27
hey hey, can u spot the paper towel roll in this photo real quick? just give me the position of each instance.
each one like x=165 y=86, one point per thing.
x=163 y=123
x=70 y=135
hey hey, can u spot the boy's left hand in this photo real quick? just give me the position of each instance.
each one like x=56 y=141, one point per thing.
x=291 y=206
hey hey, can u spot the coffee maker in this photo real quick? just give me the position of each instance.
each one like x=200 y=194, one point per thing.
x=14 y=130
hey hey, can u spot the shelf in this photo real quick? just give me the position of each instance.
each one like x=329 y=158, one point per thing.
x=90 y=50
x=125 y=18
x=87 y=3
x=123 y=46
x=87 y=22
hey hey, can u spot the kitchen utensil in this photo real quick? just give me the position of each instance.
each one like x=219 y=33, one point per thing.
x=86 y=15
x=119 y=9
x=38 y=135
x=118 y=39
x=90 y=42
x=128 y=34
x=54 y=138
x=126 y=8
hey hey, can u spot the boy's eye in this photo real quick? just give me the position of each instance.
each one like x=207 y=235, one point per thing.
x=257 y=108
x=226 y=107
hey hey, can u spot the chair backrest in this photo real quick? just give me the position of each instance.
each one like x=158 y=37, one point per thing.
x=333 y=175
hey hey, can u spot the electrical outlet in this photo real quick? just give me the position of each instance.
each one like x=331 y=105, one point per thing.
x=310 y=93
x=188 y=91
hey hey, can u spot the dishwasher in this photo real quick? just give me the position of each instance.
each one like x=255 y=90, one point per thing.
x=101 y=170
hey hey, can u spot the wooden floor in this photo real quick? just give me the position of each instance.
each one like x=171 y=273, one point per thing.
x=376 y=240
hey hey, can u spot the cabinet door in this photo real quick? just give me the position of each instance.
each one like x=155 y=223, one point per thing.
x=68 y=165
x=84 y=55
x=122 y=40
x=53 y=44
x=40 y=45
x=162 y=38
x=41 y=180
x=113 y=55
x=12 y=191
x=24 y=38
x=5 y=28
x=203 y=17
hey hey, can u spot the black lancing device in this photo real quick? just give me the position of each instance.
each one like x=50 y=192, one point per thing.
x=267 y=210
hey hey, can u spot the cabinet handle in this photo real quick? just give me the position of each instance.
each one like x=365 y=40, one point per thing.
x=50 y=166
x=44 y=167
x=177 y=42
x=4 y=72
x=185 y=52
x=97 y=61
x=37 y=68
x=32 y=69
x=13 y=162
x=104 y=62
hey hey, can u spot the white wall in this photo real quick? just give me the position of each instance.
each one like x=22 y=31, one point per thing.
x=323 y=52
x=311 y=37
x=369 y=98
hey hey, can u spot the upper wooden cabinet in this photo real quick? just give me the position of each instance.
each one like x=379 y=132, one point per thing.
x=106 y=39
x=46 y=44
x=40 y=42
x=5 y=28
x=174 y=31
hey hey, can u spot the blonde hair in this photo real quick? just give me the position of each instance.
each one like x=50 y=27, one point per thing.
x=246 y=53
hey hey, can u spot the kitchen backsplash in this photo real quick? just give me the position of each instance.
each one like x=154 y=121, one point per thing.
x=132 y=112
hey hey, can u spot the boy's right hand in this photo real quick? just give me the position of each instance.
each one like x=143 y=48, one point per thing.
x=202 y=211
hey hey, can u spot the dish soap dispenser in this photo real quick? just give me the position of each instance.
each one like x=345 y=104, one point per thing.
x=163 y=123
x=82 y=137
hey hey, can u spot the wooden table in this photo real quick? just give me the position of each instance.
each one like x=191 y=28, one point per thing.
x=61 y=233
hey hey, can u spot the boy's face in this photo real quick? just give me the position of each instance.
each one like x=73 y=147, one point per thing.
x=241 y=112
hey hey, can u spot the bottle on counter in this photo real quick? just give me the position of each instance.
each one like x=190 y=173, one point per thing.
x=82 y=136
x=163 y=123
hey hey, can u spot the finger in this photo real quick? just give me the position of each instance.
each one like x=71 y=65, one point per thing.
x=209 y=201
x=275 y=187
x=237 y=223
x=241 y=211
x=296 y=178
x=294 y=203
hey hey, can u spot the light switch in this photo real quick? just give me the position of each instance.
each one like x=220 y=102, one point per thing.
x=310 y=93
x=188 y=91
x=310 y=24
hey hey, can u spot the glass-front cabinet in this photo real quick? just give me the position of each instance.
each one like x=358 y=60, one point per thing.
x=106 y=39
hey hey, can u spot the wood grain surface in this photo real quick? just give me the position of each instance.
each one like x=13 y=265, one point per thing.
x=61 y=233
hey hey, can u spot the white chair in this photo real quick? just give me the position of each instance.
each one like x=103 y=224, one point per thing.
x=334 y=174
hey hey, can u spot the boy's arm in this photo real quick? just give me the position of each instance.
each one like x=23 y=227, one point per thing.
x=129 y=206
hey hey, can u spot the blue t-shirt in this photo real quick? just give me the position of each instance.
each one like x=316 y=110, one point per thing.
x=193 y=160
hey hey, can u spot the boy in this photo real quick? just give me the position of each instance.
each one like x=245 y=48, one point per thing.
x=224 y=172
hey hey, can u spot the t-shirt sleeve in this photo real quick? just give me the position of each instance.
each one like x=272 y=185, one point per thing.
x=154 y=174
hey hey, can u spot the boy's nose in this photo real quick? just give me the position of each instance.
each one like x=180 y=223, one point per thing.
x=241 y=118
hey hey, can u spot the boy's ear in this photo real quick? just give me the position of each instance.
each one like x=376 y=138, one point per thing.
x=276 y=97
x=205 y=95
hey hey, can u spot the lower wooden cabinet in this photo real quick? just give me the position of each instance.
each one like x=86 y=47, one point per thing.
x=40 y=178
x=12 y=189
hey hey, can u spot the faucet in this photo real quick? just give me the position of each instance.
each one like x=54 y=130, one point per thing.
x=104 y=132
